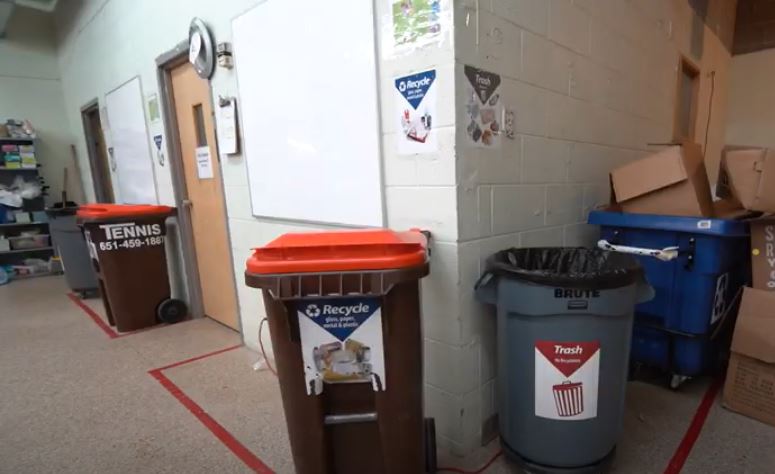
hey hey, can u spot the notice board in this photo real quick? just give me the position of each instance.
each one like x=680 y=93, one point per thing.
x=131 y=149
x=310 y=118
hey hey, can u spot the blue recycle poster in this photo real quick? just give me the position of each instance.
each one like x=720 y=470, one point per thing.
x=341 y=341
x=416 y=99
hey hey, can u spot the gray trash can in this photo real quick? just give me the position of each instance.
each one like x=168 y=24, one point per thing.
x=564 y=328
x=71 y=246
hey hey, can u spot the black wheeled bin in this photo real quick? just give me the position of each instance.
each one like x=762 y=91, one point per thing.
x=344 y=314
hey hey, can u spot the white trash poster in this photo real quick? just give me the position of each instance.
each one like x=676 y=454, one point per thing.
x=567 y=375
x=416 y=99
x=341 y=342
x=484 y=108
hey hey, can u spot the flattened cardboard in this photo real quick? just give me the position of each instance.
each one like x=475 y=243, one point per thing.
x=750 y=383
x=748 y=175
x=763 y=252
x=671 y=182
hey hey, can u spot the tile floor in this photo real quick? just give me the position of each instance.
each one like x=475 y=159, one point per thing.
x=73 y=400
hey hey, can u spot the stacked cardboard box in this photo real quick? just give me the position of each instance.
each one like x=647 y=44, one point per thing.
x=748 y=178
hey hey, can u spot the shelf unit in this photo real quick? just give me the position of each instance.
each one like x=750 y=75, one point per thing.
x=14 y=229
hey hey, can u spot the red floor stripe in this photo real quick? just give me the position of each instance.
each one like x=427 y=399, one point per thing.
x=244 y=454
x=111 y=333
x=695 y=427
x=94 y=316
x=199 y=357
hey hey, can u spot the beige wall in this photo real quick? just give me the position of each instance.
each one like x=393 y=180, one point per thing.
x=752 y=100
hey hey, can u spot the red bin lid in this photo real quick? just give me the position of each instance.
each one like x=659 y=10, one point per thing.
x=112 y=211
x=339 y=251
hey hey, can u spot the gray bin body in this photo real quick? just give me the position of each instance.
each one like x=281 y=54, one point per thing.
x=71 y=246
x=557 y=437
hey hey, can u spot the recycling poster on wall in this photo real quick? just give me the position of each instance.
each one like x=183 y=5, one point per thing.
x=484 y=107
x=567 y=375
x=341 y=342
x=416 y=99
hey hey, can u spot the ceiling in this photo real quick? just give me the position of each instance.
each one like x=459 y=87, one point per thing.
x=7 y=7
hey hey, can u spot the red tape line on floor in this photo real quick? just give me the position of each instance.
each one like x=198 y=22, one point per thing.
x=109 y=331
x=695 y=427
x=94 y=316
x=244 y=454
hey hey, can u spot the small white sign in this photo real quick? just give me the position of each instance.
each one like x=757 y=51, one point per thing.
x=204 y=164
x=566 y=379
x=228 y=125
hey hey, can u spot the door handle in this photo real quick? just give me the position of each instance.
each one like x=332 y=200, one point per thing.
x=187 y=203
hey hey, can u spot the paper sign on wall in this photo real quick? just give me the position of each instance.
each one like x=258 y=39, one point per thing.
x=416 y=23
x=204 y=165
x=566 y=379
x=341 y=342
x=416 y=99
x=484 y=107
x=228 y=126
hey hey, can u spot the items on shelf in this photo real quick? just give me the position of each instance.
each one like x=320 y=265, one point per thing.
x=18 y=129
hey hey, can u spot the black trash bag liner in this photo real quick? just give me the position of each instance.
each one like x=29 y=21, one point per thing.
x=567 y=267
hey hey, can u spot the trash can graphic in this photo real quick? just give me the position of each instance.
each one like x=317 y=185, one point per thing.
x=570 y=311
x=569 y=398
x=344 y=315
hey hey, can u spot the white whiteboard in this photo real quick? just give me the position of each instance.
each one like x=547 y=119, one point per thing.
x=129 y=139
x=310 y=119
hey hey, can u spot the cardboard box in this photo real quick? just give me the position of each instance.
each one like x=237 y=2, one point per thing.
x=763 y=252
x=750 y=383
x=748 y=175
x=672 y=182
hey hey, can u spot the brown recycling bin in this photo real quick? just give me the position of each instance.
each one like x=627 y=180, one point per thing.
x=126 y=244
x=344 y=314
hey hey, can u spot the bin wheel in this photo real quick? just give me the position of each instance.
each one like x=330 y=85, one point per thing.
x=171 y=311
x=431 y=463
x=677 y=380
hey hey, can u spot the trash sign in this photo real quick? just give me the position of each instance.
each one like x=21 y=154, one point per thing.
x=566 y=379
x=484 y=107
x=416 y=101
x=341 y=342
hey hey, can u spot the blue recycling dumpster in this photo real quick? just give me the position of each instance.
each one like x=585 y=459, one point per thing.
x=697 y=267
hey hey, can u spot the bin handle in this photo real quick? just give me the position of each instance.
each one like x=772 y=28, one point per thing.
x=666 y=254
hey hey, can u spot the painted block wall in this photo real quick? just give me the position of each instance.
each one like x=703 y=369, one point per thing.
x=30 y=89
x=592 y=83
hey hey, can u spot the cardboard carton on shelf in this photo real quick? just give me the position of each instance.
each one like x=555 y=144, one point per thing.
x=747 y=175
x=750 y=384
x=672 y=182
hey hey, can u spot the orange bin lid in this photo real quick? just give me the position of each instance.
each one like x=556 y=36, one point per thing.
x=339 y=251
x=112 y=211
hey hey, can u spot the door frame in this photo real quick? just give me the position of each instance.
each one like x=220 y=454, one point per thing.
x=99 y=185
x=165 y=63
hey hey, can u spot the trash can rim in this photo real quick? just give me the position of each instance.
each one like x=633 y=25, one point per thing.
x=339 y=251
x=629 y=271
x=112 y=211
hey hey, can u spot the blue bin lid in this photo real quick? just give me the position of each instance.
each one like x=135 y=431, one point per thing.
x=692 y=225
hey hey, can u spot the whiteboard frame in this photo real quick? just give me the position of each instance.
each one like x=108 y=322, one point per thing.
x=378 y=124
x=116 y=174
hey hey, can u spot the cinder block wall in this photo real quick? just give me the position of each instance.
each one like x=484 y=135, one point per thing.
x=591 y=82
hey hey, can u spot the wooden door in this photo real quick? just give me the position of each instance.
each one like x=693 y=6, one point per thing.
x=98 y=158
x=205 y=202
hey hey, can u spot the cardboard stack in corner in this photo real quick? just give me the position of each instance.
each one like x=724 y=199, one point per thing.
x=748 y=177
